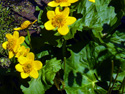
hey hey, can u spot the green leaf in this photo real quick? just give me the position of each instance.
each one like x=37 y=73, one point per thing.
x=79 y=73
x=119 y=6
x=121 y=57
x=94 y=16
x=117 y=45
x=120 y=77
x=35 y=86
x=41 y=54
x=77 y=26
x=118 y=37
x=50 y=69
x=111 y=48
x=37 y=8
x=45 y=79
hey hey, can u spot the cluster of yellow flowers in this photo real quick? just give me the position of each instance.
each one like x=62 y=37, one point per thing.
x=27 y=65
x=58 y=18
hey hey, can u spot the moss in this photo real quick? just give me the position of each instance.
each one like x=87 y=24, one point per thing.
x=6 y=24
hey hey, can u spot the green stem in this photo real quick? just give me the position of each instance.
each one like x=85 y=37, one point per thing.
x=14 y=59
x=29 y=38
x=64 y=68
x=109 y=90
x=64 y=55
x=115 y=79
x=122 y=85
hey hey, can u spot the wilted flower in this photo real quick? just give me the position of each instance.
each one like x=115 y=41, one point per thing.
x=60 y=19
x=28 y=66
x=62 y=3
x=13 y=43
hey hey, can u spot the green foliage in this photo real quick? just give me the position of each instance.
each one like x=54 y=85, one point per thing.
x=79 y=69
x=90 y=59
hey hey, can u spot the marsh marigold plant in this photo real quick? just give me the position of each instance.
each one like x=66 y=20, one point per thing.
x=13 y=43
x=60 y=19
x=62 y=3
x=28 y=66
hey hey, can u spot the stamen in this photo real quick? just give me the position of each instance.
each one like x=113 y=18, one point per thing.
x=58 y=21
x=11 y=44
x=27 y=68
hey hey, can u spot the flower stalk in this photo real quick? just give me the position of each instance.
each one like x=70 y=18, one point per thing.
x=64 y=55
x=28 y=34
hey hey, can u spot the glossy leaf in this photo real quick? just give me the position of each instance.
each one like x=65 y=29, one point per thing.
x=79 y=70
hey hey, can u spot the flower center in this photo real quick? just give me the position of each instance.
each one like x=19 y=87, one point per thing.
x=11 y=44
x=58 y=1
x=58 y=21
x=27 y=68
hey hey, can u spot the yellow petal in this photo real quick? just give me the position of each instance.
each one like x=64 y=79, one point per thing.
x=34 y=21
x=17 y=55
x=64 y=4
x=70 y=20
x=19 y=51
x=92 y=1
x=19 y=68
x=25 y=24
x=72 y=1
x=15 y=49
x=21 y=40
x=16 y=34
x=22 y=60
x=50 y=15
x=30 y=56
x=63 y=30
x=24 y=75
x=27 y=50
x=22 y=48
x=57 y=11
x=18 y=28
x=11 y=54
x=48 y=25
x=34 y=73
x=4 y=45
x=66 y=11
x=53 y=4
x=9 y=36
x=37 y=65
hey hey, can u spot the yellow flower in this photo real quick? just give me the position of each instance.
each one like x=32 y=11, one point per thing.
x=92 y=1
x=13 y=43
x=60 y=19
x=22 y=51
x=62 y=3
x=24 y=25
x=28 y=66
